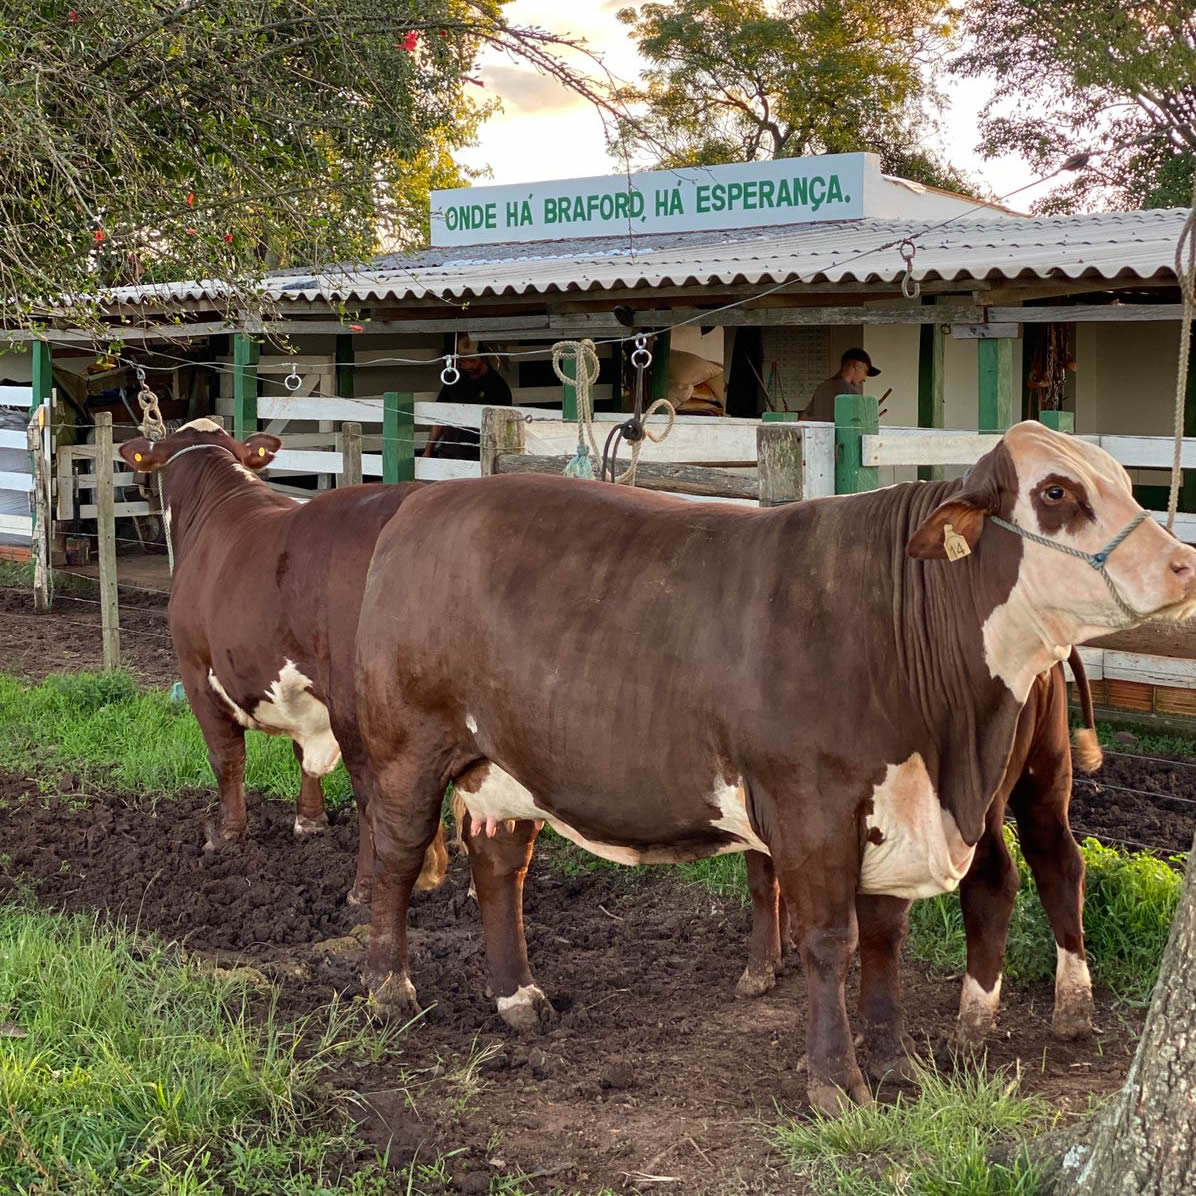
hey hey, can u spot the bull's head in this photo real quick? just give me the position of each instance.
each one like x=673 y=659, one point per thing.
x=149 y=456
x=1092 y=559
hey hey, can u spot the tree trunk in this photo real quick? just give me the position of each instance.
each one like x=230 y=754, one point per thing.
x=1144 y=1142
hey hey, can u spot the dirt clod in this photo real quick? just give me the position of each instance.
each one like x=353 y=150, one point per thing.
x=618 y=1074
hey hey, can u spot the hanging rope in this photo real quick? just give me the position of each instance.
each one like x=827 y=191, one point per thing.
x=153 y=426
x=1185 y=272
x=585 y=373
x=635 y=429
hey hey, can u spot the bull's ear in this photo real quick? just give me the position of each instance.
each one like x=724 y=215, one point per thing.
x=929 y=542
x=142 y=455
x=259 y=450
x=964 y=512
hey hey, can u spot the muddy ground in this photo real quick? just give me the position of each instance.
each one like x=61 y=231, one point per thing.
x=655 y=1068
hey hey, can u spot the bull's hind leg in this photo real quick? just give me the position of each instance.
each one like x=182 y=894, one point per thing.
x=310 y=816
x=1039 y=803
x=225 y=740
x=499 y=862
x=764 y=950
x=404 y=812
x=883 y=923
x=986 y=895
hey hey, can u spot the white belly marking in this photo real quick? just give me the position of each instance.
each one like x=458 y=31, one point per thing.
x=921 y=852
x=290 y=708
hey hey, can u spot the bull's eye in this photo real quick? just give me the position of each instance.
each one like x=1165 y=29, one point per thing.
x=1054 y=494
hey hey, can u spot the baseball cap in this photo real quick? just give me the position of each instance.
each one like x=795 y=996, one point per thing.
x=860 y=355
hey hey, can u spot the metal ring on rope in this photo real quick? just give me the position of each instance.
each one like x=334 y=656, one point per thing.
x=910 y=287
x=293 y=380
x=641 y=356
x=450 y=375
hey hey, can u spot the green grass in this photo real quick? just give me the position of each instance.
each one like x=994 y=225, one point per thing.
x=105 y=728
x=936 y=1144
x=123 y=1069
x=1130 y=901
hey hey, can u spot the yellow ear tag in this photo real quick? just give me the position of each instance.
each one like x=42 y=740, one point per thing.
x=261 y=452
x=136 y=456
x=955 y=546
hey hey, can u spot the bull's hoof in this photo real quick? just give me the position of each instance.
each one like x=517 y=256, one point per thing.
x=219 y=838
x=309 y=826
x=891 y=1053
x=757 y=979
x=833 y=1100
x=977 y=1014
x=1073 y=1016
x=527 y=1010
x=394 y=997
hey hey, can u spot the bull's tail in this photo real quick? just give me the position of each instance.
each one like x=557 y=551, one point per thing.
x=1086 y=751
x=458 y=808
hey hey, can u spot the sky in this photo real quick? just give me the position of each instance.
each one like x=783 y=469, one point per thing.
x=546 y=132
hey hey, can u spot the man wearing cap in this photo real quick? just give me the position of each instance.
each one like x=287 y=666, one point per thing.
x=854 y=367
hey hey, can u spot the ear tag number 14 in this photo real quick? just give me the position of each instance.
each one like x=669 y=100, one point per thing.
x=955 y=546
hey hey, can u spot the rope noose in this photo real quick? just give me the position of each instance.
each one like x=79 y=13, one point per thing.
x=585 y=369
x=1185 y=273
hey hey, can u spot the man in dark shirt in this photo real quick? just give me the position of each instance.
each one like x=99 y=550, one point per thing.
x=854 y=367
x=478 y=384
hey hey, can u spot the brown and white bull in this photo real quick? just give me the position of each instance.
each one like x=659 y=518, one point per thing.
x=663 y=681
x=263 y=614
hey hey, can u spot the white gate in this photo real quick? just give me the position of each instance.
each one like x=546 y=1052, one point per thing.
x=16 y=480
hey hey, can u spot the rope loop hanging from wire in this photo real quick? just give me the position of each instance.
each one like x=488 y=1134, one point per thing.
x=584 y=357
x=1185 y=273
x=910 y=287
x=153 y=427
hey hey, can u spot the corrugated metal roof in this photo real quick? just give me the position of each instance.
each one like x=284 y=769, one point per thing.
x=1103 y=246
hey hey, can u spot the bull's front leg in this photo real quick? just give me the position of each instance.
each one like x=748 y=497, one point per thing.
x=310 y=816
x=986 y=896
x=883 y=923
x=499 y=855
x=820 y=888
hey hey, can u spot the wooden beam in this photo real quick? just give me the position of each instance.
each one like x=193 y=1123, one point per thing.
x=1187 y=493
x=1086 y=313
x=351 y=451
x=703 y=480
x=994 y=360
x=503 y=435
x=779 y=446
x=246 y=353
x=816 y=316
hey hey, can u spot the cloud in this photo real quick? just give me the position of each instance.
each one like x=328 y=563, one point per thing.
x=524 y=91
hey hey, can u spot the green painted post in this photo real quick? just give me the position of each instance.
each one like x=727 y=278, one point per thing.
x=931 y=408
x=569 y=392
x=660 y=366
x=344 y=367
x=779 y=417
x=246 y=354
x=398 y=437
x=1059 y=421
x=43 y=374
x=994 y=358
x=856 y=416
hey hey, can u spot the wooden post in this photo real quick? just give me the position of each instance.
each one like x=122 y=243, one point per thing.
x=994 y=357
x=40 y=540
x=780 y=452
x=344 y=367
x=569 y=390
x=398 y=437
x=351 y=452
x=246 y=353
x=1187 y=490
x=503 y=431
x=931 y=407
x=661 y=347
x=1059 y=421
x=856 y=416
x=106 y=529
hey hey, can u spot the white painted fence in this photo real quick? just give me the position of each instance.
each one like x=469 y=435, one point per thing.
x=934 y=446
x=16 y=480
